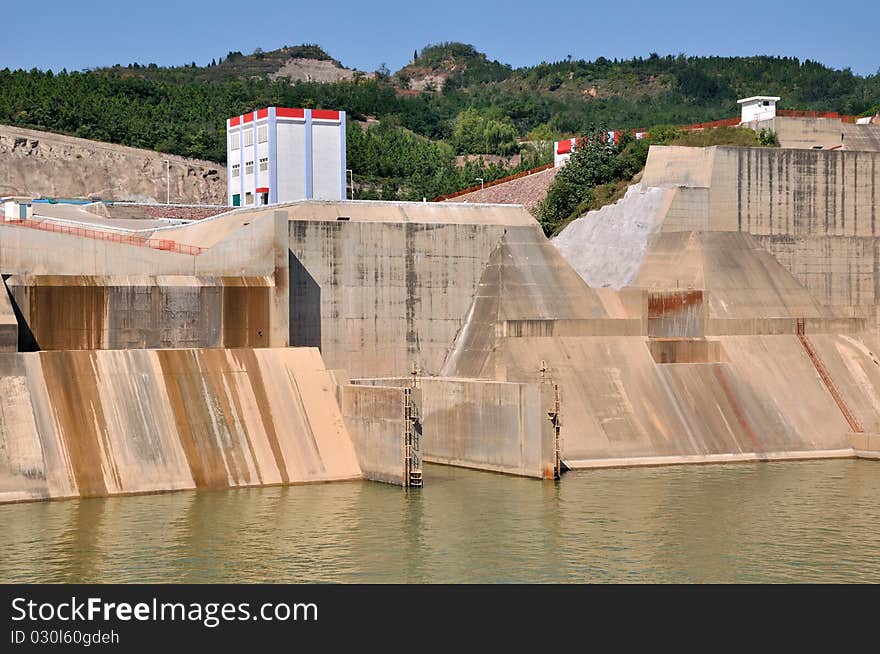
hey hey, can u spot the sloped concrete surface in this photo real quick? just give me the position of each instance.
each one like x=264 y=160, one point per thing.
x=96 y=423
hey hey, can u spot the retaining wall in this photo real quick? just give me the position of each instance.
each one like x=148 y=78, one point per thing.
x=380 y=297
x=74 y=312
x=496 y=426
x=814 y=210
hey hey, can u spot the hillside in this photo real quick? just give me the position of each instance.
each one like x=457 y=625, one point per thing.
x=39 y=163
x=458 y=64
x=307 y=62
x=454 y=98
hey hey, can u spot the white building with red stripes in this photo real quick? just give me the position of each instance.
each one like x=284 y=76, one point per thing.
x=562 y=149
x=278 y=154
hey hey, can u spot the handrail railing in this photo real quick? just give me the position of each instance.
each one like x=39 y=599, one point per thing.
x=166 y=245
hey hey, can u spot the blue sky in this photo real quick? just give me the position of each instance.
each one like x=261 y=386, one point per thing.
x=74 y=35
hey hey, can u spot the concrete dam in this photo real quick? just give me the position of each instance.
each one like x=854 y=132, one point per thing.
x=693 y=321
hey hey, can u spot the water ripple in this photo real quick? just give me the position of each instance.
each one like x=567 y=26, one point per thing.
x=773 y=522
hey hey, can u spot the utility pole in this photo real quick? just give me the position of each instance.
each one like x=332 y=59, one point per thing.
x=480 y=180
x=167 y=181
x=351 y=177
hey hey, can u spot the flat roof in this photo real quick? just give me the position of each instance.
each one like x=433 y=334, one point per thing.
x=759 y=97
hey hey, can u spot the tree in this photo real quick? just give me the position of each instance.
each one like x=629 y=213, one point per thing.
x=475 y=132
x=595 y=161
x=768 y=137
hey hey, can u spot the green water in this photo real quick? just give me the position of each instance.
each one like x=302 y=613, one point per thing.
x=776 y=522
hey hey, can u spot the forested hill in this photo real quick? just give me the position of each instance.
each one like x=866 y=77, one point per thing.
x=449 y=100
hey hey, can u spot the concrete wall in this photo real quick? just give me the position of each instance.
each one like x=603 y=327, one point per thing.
x=496 y=426
x=76 y=312
x=380 y=297
x=376 y=422
x=825 y=133
x=94 y=423
x=616 y=236
x=853 y=363
x=254 y=248
x=8 y=323
x=815 y=210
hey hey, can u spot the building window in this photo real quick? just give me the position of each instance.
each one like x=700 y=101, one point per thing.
x=248 y=198
x=235 y=141
x=263 y=133
x=249 y=168
x=248 y=138
x=236 y=170
x=264 y=164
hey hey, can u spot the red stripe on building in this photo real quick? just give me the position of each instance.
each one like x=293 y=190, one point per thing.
x=234 y=121
x=325 y=114
x=563 y=147
x=261 y=189
x=286 y=112
x=262 y=113
x=247 y=118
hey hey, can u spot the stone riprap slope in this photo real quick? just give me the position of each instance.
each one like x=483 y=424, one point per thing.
x=528 y=191
x=607 y=246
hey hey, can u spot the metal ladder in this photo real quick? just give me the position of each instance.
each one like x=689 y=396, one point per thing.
x=412 y=460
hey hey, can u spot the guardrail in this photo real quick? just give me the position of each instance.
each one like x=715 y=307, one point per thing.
x=494 y=182
x=166 y=245
x=724 y=122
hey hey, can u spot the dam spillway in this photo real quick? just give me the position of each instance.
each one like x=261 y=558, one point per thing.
x=318 y=341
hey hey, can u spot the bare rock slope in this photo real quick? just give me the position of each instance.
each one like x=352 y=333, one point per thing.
x=314 y=70
x=42 y=163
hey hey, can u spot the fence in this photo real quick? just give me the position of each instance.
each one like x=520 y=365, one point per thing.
x=724 y=122
x=794 y=113
x=165 y=245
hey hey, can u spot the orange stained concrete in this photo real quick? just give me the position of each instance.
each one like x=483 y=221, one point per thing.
x=94 y=423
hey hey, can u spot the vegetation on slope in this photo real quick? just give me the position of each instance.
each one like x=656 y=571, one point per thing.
x=599 y=171
x=482 y=106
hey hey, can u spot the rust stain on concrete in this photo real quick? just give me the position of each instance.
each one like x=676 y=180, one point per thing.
x=248 y=360
x=69 y=317
x=79 y=418
x=246 y=316
x=192 y=417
